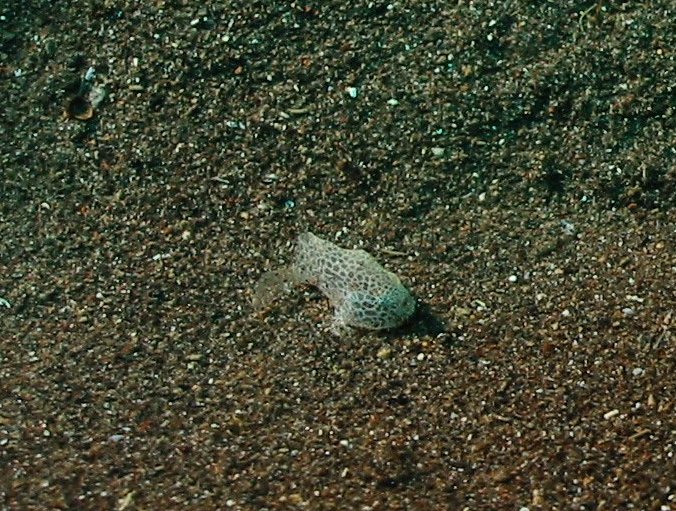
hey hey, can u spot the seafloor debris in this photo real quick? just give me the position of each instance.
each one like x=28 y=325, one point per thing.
x=83 y=105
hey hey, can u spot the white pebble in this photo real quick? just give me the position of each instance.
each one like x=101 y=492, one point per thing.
x=568 y=227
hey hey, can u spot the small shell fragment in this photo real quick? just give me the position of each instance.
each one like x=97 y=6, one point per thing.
x=611 y=414
x=79 y=108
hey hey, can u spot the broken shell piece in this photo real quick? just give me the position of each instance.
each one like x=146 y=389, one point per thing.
x=82 y=106
x=79 y=108
x=96 y=95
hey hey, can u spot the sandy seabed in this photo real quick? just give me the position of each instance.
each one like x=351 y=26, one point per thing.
x=513 y=163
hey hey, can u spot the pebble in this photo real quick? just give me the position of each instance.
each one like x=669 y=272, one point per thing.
x=384 y=352
x=352 y=92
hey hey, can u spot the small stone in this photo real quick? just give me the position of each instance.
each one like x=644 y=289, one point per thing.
x=385 y=352
x=392 y=102
x=352 y=92
x=568 y=228
x=537 y=499
x=512 y=278
x=296 y=499
x=124 y=502
x=438 y=151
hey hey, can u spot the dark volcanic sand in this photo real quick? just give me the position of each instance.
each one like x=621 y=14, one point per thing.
x=514 y=164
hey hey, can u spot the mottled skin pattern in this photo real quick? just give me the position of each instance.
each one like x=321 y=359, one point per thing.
x=362 y=292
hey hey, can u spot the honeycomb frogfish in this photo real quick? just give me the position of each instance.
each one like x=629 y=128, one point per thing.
x=362 y=292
